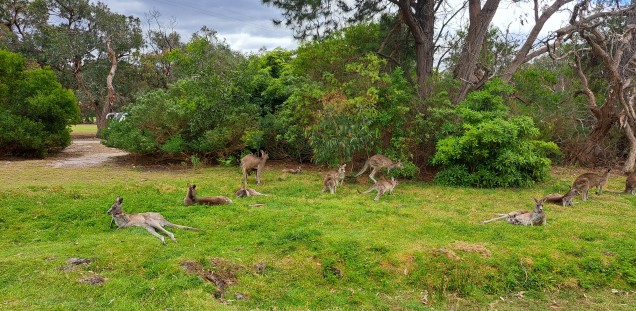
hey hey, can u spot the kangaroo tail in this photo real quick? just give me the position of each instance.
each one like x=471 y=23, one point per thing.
x=494 y=219
x=364 y=168
x=182 y=227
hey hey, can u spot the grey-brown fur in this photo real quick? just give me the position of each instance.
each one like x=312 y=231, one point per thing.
x=378 y=162
x=382 y=186
x=333 y=179
x=522 y=217
x=297 y=170
x=630 y=183
x=586 y=181
x=251 y=163
x=191 y=198
x=248 y=192
x=565 y=199
x=150 y=221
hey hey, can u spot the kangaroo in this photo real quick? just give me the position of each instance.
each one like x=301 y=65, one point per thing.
x=247 y=192
x=251 y=163
x=151 y=221
x=330 y=184
x=630 y=183
x=586 y=181
x=377 y=162
x=382 y=187
x=191 y=198
x=566 y=199
x=521 y=217
x=297 y=170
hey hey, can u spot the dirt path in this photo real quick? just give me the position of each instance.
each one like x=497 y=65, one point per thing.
x=85 y=152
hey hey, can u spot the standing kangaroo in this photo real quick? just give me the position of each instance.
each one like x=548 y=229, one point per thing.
x=521 y=217
x=251 y=163
x=191 y=198
x=377 y=162
x=382 y=186
x=333 y=179
x=151 y=221
x=566 y=199
x=630 y=183
x=297 y=170
x=586 y=181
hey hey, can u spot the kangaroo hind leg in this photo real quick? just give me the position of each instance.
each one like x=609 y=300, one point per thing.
x=168 y=233
x=153 y=232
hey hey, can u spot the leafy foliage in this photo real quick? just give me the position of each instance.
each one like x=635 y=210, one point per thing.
x=35 y=111
x=487 y=148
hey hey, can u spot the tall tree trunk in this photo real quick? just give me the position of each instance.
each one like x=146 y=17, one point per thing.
x=480 y=19
x=100 y=114
x=421 y=25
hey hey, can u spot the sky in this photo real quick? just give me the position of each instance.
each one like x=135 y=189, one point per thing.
x=247 y=26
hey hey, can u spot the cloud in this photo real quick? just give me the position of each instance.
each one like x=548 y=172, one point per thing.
x=246 y=25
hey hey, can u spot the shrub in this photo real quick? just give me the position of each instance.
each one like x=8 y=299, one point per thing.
x=35 y=111
x=488 y=148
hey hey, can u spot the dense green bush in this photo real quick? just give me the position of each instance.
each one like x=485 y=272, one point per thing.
x=486 y=147
x=192 y=117
x=35 y=111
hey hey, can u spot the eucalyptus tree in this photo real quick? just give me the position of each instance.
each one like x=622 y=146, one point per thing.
x=82 y=41
x=428 y=23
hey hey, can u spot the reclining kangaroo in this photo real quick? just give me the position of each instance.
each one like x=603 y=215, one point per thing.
x=297 y=170
x=586 y=181
x=191 y=198
x=521 y=217
x=377 y=162
x=251 y=163
x=566 y=199
x=245 y=192
x=151 y=221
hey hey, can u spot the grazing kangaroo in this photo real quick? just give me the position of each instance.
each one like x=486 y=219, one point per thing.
x=377 y=162
x=382 y=186
x=191 y=198
x=251 y=163
x=151 y=221
x=248 y=192
x=297 y=170
x=566 y=199
x=586 y=181
x=630 y=183
x=521 y=217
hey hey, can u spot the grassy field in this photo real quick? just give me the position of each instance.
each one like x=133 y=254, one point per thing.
x=421 y=248
x=84 y=129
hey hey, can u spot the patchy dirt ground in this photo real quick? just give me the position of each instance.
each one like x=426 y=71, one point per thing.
x=85 y=152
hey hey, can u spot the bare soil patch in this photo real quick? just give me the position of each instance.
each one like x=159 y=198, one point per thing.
x=84 y=152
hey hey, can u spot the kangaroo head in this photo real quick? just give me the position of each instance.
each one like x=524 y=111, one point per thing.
x=394 y=181
x=573 y=191
x=341 y=168
x=538 y=205
x=116 y=207
x=264 y=155
x=192 y=191
x=299 y=169
x=399 y=164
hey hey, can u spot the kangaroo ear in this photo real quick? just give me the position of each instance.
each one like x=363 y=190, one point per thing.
x=119 y=199
x=194 y=186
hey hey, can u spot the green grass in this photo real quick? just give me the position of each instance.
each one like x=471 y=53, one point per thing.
x=320 y=251
x=84 y=129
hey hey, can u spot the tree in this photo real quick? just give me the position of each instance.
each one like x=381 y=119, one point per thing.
x=427 y=22
x=77 y=42
x=35 y=111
